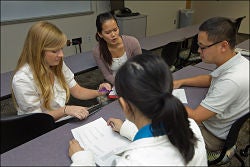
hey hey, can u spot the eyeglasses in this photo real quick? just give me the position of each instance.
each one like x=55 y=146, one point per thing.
x=205 y=47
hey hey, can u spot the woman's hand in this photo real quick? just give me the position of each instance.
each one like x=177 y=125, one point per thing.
x=115 y=124
x=74 y=147
x=77 y=111
x=104 y=88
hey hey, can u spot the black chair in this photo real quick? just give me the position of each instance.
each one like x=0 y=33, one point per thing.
x=19 y=129
x=144 y=51
x=231 y=140
x=246 y=151
x=237 y=22
x=190 y=55
x=170 y=54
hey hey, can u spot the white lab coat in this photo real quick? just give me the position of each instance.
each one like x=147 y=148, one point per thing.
x=152 y=151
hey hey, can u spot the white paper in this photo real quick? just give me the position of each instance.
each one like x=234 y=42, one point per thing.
x=98 y=137
x=180 y=94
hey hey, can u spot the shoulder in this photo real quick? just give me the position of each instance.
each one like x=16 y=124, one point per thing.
x=130 y=43
x=23 y=78
x=129 y=38
x=23 y=73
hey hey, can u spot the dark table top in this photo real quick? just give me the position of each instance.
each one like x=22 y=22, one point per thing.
x=51 y=149
x=159 y=40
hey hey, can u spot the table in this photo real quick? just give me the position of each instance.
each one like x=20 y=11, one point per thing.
x=206 y=66
x=6 y=79
x=194 y=94
x=81 y=62
x=159 y=40
x=51 y=149
x=244 y=45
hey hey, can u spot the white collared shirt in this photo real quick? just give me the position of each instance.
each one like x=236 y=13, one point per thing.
x=27 y=93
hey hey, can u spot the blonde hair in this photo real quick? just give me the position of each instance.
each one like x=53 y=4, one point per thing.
x=43 y=36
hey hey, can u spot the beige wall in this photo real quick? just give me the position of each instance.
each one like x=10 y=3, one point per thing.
x=13 y=35
x=160 y=14
x=233 y=9
x=160 y=18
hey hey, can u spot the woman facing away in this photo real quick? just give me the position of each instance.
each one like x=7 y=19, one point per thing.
x=113 y=49
x=42 y=82
x=157 y=122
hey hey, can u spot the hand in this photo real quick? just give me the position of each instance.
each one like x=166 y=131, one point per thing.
x=74 y=147
x=115 y=124
x=105 y=86
x=177 y=84
x=77 y=111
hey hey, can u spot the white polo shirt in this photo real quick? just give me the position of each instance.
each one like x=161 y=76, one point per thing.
x=228 y=95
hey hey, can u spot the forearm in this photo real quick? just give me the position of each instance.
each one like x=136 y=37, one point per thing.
x=57 y=114
x=84 y=93
x=199 y=114
x=69 y=110
x=197 y=81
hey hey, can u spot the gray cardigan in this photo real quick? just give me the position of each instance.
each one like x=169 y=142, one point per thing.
x=132 y=48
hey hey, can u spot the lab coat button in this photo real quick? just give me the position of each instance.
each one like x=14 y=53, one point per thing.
x=127 y=157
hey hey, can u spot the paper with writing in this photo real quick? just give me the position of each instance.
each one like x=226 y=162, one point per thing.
x=180 y=94
x=98 y=137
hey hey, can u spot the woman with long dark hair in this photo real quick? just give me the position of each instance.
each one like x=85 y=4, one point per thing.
x=113 y=49
x=157 y=122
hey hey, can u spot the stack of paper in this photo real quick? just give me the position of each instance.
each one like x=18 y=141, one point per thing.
x=98 y=137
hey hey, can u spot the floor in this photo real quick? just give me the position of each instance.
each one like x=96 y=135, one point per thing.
x=93 y=78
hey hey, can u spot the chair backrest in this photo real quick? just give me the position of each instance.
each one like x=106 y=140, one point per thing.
x=232 y=137
x=170 y=52
x=234 y=131
x=237 y=22
x=194 y=45
x=19 y=129
x=144 y=51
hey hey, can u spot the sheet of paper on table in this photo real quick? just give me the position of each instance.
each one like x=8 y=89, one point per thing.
x=180 y=94
x=98 y=137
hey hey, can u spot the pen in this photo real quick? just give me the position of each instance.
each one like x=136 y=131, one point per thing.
x=112 y=124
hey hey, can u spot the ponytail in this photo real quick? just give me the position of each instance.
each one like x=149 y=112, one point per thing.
x=173 y=118
x=149 y=73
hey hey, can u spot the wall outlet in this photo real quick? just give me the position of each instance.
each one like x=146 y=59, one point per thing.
x=68 y=42
x=77 y=41
x=88 y=38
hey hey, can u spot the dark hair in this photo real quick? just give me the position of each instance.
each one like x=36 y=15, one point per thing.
x=145 y=82
x=219 y=29
x=104 y=51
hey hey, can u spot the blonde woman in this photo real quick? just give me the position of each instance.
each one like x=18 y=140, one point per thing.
x=42 y=82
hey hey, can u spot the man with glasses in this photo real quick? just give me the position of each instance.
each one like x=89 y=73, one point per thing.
x=228 y=95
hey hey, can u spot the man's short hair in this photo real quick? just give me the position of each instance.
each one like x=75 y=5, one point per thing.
x=220 y=29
